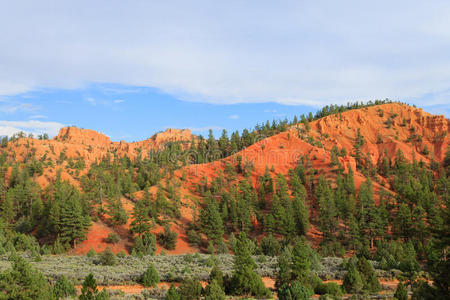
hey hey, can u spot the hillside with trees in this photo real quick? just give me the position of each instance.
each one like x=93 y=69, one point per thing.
x=335 y=203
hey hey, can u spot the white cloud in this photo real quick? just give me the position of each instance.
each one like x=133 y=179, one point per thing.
x=38 y=117
x=35 y=127
x=91 y=100
x=293 y=52
x=119 y=101
x=10 y=107
x=234 y=117
x=206 y=128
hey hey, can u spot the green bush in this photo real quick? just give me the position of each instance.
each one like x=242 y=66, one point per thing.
x=190 y=289
x=401 y=293
x=352 y=280
x=168 y=238
x=63 y=288
x=214 y=291
x=113 y=238
x=91 y=253
x=108 y=258
x=172 y=293
x=150 y=277
x=194 y=238
x=330 y=288
x=295 y=291
x=270 y=246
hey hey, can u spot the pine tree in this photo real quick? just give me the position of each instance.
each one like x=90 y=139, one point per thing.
x=244 y=280
x=172 y=293
x=327 y=208
x=150 y=277
x=72 y=223
x=284 y=263
x=141 y=220
x=296 y=290
x=368 y=217
x=214 y=291
x=402 y=222
x=89 y=290
x=190 y=289
x=63 y=288
x=401 y=293
x=216 y=275
x=352 y=280
x=301 y=262
x=211 y=220
x=23 y=282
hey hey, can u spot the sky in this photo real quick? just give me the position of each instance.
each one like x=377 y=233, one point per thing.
x=132 y=68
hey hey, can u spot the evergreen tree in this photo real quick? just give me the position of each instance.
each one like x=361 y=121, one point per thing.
x=89 y=290
x=172 y=293
x=63 y=288
x=23 y=282
x=150 y=277
x=295 y=291
x=216 y=275
x=401 y=292
x=367 y=212
x=284 y=263
x=211 y=220
x=352 y=282
x=327 y=208
x=190 y=289
x=141 y=220
x=244 y=280
x=214 y=291
x=301 y=262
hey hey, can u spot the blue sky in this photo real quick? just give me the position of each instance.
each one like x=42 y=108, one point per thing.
x=132 y=68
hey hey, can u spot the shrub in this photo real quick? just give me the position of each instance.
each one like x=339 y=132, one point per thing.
x=91 y=253
x=172 y=293
x=401 y=293
x=222 y=248
x=190 y=289
x=23 y=282
x=108 y=258
x=352 y=280
x=214 y=291
x=121 y=254
x=89 y=290
x=113 y=238
x=295 y=291
x=216 y=275
x=168 y=238
x=150 y=277
x=330 y=288
x=270 y=246
x=194 y=238
x=63 y=288
x=145 y=245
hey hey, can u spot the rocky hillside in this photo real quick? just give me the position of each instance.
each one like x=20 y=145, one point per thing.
x=360 y=140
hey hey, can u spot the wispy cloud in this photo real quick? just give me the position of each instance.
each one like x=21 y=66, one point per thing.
x=13 y=106
x=38 y=117
x=91 y=101
x=205 y=128
x=35 y=127
x=234 y=117
x=119 y=101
